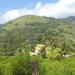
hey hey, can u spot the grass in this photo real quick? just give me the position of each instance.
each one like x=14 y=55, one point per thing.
x=46 y=66
x=9 y=27
x=56 y=67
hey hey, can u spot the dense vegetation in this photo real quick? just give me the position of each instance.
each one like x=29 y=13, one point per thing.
x=27 y=31
x=20 y=65
x=21 y=35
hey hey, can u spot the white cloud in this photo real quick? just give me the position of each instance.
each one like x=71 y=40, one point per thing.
x=62 y=8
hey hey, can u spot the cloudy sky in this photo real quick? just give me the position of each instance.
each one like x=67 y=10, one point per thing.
x=11 y=9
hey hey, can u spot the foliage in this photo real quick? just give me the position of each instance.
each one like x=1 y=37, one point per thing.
x=21 y=35
x=53 y=53
x=22 y=66
x=16 y=65
x=25 y=32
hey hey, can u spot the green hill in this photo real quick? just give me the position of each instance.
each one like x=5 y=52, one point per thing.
x=70 y=19
x=25 y=32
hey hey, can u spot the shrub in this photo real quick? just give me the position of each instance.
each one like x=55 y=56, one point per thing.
x=53 y=53
x=22 y=65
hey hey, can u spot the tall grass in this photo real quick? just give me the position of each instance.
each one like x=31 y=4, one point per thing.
x=15 y=65
x=20 y=65
x=56 y=67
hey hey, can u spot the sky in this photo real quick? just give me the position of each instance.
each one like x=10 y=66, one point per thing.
x=12 y=9
x=13 y=4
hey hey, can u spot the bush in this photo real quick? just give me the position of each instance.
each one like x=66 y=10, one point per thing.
x=53 y=53
x=22 y=65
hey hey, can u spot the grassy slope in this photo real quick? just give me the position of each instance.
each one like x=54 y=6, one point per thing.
x=24 y=20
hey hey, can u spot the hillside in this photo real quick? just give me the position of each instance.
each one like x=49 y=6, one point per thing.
x=70 y=19
x=25 y=32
